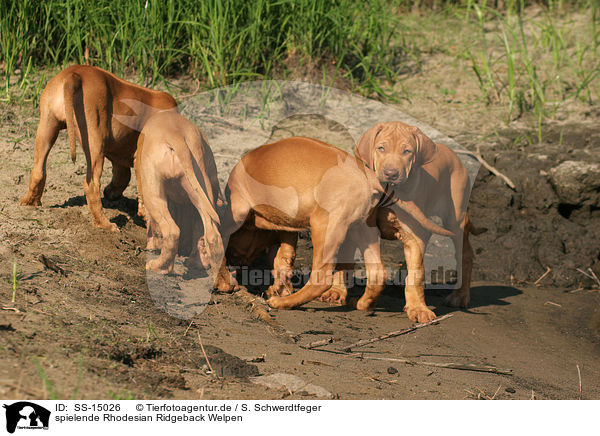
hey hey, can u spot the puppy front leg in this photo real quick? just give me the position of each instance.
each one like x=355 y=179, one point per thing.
x=414 y=288
x=376 y=273
x=338 y=293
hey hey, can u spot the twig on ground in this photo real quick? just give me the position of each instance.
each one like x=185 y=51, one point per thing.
x=316 y=362
x=14 y=309
x=489 y=167
x=395 y=333
x=552 y=303
x=591 y=275
x=496 y=393
x=596 y=279
x=206 y=357
x=188 y=328
x=579 y=375
x=258 y=307
x=548 y=269
x=317 y=343
x=449 y=365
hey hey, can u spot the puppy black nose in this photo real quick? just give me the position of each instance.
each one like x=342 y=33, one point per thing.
x=391 y=173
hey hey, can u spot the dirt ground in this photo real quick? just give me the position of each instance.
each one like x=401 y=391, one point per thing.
x=94 y=331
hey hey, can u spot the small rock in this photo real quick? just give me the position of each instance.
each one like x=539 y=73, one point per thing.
x=510 y=390
x=577 y=183
x=392 y=370
x=291 y=383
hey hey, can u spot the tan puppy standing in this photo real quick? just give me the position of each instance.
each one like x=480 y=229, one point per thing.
x=177 y=177
x=301 y=183
x=432 y=176
x=106 y=114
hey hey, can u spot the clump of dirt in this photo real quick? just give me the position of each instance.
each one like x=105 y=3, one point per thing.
x=531 y=229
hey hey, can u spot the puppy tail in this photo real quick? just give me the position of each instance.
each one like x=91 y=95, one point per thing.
x=71 y=86
x=197 y=196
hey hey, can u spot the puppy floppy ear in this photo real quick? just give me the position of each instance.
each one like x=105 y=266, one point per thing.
x=426 y=148
x=366 y=144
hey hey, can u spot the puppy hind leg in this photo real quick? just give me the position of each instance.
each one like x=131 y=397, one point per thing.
x=158 y=210
x=45 y=138
x=464 y=265
x=328 y=233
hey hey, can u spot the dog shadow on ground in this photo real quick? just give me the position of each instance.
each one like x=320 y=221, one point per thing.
x=392 y=299
x=128 y=207
x=481 y=297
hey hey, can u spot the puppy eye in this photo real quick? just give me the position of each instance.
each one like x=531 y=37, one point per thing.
x=381 y=148
x=407 y=151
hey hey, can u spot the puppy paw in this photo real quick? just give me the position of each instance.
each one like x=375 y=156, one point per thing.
x=276 y=303
x=280 y=290
x=226 y=283
x=29 y=200
x=112 y=227
x=457 y=299
x=334 y=295
x=419 y=314
x=365 y=303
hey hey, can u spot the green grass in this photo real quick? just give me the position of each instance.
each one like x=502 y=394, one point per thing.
x=529 y=64
x=542 y=62
x=52 y=394
x=219 y=42
x=14 y=281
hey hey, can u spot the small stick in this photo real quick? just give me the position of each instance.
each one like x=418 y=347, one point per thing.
x=206 y=357
x=14 y=309
x=188 y=328
x=595 y=276
x=258 y=308
x=317 y=343
x=449 y=365
x=548 y=269
x=489 y=167
x=395 y=333
x=552 y=303
x=579 y=375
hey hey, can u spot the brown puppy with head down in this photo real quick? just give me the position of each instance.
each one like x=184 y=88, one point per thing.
x=432 y=176
x=106 y=114
x=301 y=183
x=178 y=191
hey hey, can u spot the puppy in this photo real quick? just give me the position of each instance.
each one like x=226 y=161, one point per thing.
x=301 y=183
x=178 y=191
x=106 y=114
x=417 y=170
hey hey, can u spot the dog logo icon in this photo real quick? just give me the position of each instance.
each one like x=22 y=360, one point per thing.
x=26 y=415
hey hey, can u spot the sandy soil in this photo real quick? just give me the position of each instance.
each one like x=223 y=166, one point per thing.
x=93 y=330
